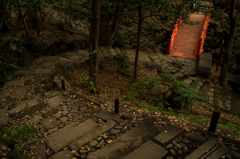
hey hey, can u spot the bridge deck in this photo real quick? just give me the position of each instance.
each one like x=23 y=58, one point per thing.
x=187 y=39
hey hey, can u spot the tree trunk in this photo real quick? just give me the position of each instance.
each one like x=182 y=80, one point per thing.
x=138 y=43
x=233 y=16
x=227 y=8
x=94 y=38
x=16 y=29
x=115 y=21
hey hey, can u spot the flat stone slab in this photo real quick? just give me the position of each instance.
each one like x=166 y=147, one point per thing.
x=107 y=116
x=49 y=123
x=47 y=64
x=92 y=135
x=65 y=154
x=147 y=150
x=202 y=149
x=168 y=134
x=37 y=152
x=6 y=92
x=18 y=82
x=28 y=111
x=56 y=101
x=127 y=142
x=21 y=92
x=22 y=105
x=34 y=120
x=61 y=138
x=219 y=152
x=43 y=71
x=52 y=93
x=142 y=57
x=20 y=72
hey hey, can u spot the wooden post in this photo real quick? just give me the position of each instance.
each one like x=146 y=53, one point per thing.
x=214 y=121
x=63 y=84
x=116 y=105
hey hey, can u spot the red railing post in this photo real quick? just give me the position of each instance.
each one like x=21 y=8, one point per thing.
x=199 y=48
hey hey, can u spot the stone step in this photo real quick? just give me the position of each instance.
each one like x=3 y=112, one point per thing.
x=210 y=150
x=61 y=138
x=127 y=142
x=147 y=150
x=76 y=145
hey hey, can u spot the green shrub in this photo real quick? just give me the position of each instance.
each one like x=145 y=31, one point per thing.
x=18 y=134
x=8 y=62
x=122 y=58
x=88 y=82
x=180 y=94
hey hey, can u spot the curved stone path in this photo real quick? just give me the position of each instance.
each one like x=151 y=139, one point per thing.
x=71 y=127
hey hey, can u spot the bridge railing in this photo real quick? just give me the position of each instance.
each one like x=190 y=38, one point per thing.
x=204 y=31
x=175 y=31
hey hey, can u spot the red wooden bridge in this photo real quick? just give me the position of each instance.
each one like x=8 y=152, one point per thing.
x=187 y=40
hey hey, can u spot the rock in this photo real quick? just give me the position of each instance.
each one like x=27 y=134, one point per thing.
x=127 y=116
x=93 y=143
x=195 y=136
x=114 y=132
x=63 y=47
x=179 y=74
x=63 y=119
x=36 y=47
x=151 y=65
x=188 y=81
x=177 y=64
x=77 y=45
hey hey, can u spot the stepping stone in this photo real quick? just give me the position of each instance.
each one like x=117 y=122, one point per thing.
x=195 y=136
x=209 y=148
x=22 y=105
x=43 y=70
x=168 y=134
x=92 y=135
x=47 y=64
x=106 y=115
x=6 y=92
x=37 y=152
x=29 y=111
x=52 y=93
x=18 y=82
x=21 y=92
x=35 y=119
x=61 y=138
x=147 y=150
x=56 y=101
x=49 y=123
x=23 y=72
x=65 y=154
x=131 y=139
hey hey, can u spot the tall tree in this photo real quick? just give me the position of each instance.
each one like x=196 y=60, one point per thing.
x=233 y=16
x=93 y=41
x=138 y=42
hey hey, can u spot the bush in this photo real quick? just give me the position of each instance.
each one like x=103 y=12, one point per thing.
x=10 y=135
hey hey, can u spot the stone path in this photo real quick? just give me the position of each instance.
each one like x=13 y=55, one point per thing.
x=73 y=127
